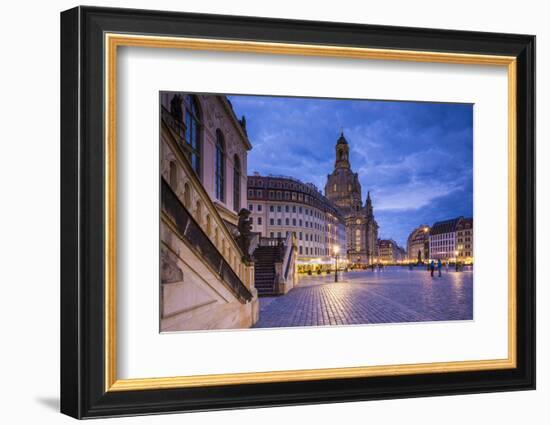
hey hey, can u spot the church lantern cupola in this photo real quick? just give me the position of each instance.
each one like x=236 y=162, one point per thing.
x=342 y=153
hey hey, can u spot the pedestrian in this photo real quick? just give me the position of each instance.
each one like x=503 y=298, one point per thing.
x=432 y=268
x=439 y=265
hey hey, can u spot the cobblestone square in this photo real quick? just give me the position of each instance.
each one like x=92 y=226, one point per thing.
x=390 y=295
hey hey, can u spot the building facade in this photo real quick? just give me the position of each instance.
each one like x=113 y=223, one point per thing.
x=465 y=240
x=451 y=238
x=206 y=280
x=418 y=244
x=343 y=190
x=389 y=252
x=282 y=205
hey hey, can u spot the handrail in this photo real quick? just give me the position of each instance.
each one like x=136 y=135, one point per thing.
x=289 y=250
x=254 y=242
x=191 y=232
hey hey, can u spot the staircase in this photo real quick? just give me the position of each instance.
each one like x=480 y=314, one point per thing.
x=265 y=258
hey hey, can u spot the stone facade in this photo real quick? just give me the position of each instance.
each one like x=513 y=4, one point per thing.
x=215 y=124
x=207 y=281
x=344 y=191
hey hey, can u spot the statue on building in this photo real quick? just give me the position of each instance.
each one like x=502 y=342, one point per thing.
x=245 y=233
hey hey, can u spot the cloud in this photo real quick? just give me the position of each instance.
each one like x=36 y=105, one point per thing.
x=415 y=157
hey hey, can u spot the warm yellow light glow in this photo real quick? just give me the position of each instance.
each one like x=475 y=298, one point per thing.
x=336 y=249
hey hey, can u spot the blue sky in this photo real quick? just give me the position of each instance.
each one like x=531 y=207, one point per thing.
x=415 y=157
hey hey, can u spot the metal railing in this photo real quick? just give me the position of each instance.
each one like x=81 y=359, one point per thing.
x=193 y=235
x=277 y=241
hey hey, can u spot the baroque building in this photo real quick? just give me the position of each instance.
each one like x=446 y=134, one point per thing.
x=207 y=277
x=281 y=205
x=344 y=191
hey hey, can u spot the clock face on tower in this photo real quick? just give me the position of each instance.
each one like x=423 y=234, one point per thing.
x=358 y=221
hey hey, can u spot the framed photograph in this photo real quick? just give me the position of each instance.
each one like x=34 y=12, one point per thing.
x=261 y=212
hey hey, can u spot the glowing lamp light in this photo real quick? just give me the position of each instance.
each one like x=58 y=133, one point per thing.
x=336 y=249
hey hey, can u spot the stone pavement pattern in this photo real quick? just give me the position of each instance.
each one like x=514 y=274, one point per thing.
x=392 y=295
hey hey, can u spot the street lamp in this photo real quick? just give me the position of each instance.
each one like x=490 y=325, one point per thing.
x=456 y=260
x=336 y=250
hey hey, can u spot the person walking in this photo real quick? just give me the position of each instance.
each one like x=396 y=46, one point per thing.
x=432 y=268
x=439 y=265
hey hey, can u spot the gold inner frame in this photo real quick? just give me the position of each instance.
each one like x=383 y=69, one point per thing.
x=113 y=41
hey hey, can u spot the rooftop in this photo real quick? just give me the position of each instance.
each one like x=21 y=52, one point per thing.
x=446 y=226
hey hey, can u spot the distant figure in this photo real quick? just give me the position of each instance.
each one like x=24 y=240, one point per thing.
x=439 y=265
x=432 y=268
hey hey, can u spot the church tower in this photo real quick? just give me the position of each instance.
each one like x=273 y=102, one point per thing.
x=344 y=191
x=343 y=188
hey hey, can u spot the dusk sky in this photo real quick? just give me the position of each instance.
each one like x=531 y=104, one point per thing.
x=414 y=157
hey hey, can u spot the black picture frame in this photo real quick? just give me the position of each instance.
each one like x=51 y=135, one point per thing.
x=83 y=392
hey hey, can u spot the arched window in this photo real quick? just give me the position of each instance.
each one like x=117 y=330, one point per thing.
x=236 y=184
x=357 y=240
x=220 y=166
x=192 y=132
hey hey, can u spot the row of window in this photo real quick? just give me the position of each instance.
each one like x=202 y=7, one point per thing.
x=294 y=223
x=307 y=237
x=313 y=251
x=288 y=208
x=279 y=195
x=443 y=243
x=442 y=236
